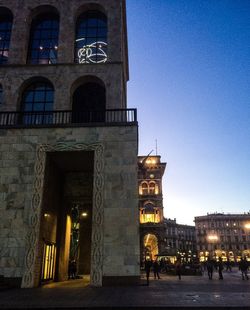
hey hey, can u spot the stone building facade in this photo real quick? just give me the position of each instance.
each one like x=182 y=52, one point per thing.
x=180 y=239
x=68 y=143
x=223 y=235
x=159 y=236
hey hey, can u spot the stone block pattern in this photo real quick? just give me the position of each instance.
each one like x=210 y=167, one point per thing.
x=119 y=224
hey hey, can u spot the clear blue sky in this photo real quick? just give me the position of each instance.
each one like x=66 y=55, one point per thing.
x=190 y=81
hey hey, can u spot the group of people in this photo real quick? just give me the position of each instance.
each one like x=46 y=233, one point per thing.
x=155 y=265
x=210 y=265
x=156 y=269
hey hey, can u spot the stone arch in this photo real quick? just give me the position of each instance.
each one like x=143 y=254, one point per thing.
x=42 y=9
x=4 y=10
x=150 y=245
x=143 y=188
x=88 y=100
x=28 y=83
x=85 y=79
x=90 y=7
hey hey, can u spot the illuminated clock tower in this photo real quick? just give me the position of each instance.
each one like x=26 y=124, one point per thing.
x=152 y=232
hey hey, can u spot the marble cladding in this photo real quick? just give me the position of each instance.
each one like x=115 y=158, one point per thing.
x=121 y=224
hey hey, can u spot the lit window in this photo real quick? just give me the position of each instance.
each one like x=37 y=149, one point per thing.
x=43 y=43
x=5 y=34
x=144 y=188
x=151 y=188
x=37 y=100
x=91 y=38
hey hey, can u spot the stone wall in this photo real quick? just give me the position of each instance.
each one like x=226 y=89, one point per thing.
x=65 y=74
x=120 y=230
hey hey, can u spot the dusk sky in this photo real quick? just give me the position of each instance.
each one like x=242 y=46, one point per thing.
x=190 y=81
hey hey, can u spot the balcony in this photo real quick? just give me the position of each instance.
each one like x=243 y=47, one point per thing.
x=67 y=118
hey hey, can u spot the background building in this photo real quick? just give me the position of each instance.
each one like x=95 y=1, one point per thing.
x=68 y=143
x=223 y=235
x=180 y=240
x=159 y=237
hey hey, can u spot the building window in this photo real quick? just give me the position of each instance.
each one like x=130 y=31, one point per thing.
x=6 y=19
x=89 y=103
x=1 y=94
x=144 y=188
x=152 y=188
x=37 y=100
x=91 y=38
x=43 y=43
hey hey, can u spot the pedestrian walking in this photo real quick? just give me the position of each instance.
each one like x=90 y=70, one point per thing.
x=72 y=270
x=228 y=265
x=156 y=268
x=243 y=266
x=178 y=268
x=220 y=268
x=210 y=269
x=148 y=265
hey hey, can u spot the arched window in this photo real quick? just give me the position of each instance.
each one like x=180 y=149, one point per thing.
x=43 y=43
x=6 y=19
x=89 y=103
x=91 y=38
x=144 y=188
x=151 y=188
x=1 y=94
x=37 y=100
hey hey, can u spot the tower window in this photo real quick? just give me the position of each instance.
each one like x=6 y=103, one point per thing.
x=91 y=38
x=43 y=44
x=144 y=189
x=5 y=34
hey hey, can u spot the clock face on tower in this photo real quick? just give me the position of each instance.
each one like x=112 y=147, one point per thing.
x=151 y=176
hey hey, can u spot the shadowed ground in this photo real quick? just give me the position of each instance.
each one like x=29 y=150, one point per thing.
x=168 y=292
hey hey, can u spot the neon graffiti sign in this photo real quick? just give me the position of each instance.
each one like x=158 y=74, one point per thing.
x=92 y=53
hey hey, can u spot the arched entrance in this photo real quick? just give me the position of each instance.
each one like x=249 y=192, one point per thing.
x=150 y=243
x=89 y=103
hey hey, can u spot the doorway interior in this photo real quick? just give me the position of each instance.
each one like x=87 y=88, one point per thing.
x=66 y=219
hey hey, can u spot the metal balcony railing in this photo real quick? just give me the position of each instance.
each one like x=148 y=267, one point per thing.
x=23 y=119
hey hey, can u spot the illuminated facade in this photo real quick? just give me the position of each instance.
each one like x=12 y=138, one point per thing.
x=223 y=235
x=68 y=143
x=159 y=236
x=152 y=231
x=180 y=239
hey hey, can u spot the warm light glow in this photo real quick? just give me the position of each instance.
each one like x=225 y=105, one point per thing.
x=247 y=225
x=84 y=214
x=46 y=215
x=149 y=217
x=212 y=237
